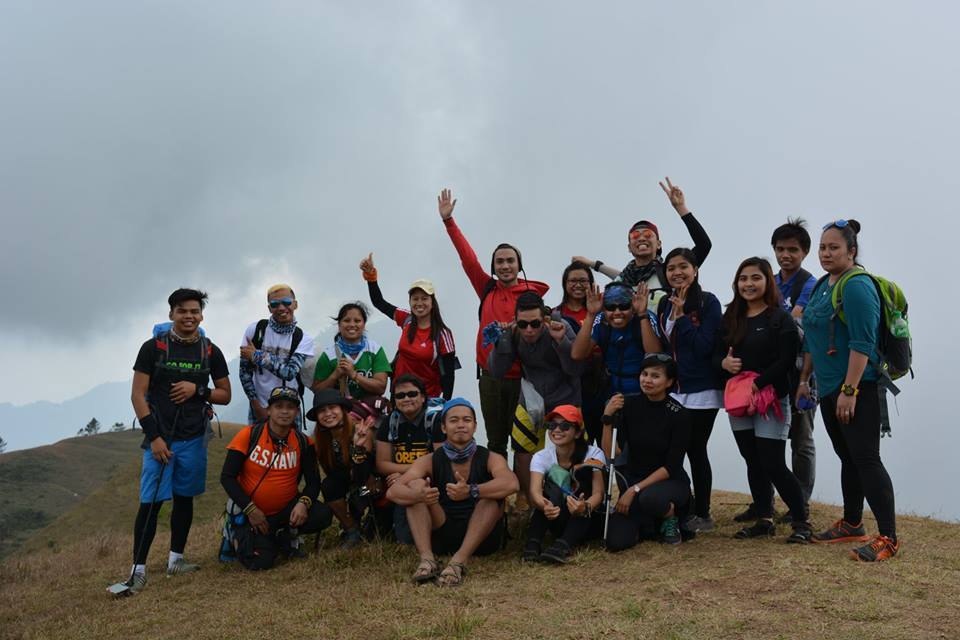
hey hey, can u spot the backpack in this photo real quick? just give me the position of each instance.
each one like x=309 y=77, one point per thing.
x=197 y=376
x=431 y=420
x=487 y=290
x=257 y=341
x=894 y=345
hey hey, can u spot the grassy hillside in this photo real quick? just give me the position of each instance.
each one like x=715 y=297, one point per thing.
x=37 y=485
x=712 y=587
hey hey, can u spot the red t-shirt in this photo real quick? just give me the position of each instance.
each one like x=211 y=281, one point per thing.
x=420 y=357
x=579 y=316
x=282 y=481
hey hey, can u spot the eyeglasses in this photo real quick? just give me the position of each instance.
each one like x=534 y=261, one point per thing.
x=839 y=224
x=287 y=302
x=400 y=395
x=533 y=324
x=580 y=281
x=612 y=306
x=646 y=234
x=563 y=425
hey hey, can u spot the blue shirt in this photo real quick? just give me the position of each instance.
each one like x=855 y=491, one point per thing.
x=861 y=306
x=803 y=299
x=622 y=354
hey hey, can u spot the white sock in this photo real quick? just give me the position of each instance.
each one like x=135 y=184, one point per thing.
x=174 y=556
x=140 y=568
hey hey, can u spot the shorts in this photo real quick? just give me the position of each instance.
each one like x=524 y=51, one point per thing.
x=184 y=475
x=448 y=538
x=767 y=426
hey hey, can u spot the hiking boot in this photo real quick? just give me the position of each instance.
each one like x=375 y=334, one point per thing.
x=350 y=538
x=699 y=524
x=670 y=531
x=181 y=566
x=531 y=551
x=759 y=529
x=802 y=533
x=878 y=549
x=557 y=553
x=842 y=531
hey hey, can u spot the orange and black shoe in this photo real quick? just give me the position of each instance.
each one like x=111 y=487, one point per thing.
x=842 y=531
x=878 y=549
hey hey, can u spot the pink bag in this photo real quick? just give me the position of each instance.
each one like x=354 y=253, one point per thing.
x=766 y=399
x=738 y=397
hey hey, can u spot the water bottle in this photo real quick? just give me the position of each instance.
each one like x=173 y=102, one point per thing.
x=808 y=403
x=898 y=326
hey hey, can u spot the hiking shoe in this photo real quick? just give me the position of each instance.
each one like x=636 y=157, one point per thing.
x=350 y=538
x=181 y=566
x=699 y=524
x=557 y=553
x=670 y=531
x=137 y=582
x=802 y=533
x=759 y=529
x=842 y=531
x=878 y=549
x=531 y=551
x=750 y=513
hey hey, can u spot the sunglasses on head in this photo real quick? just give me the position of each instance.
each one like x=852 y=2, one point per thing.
x=563 y=425
x=400 y=395
x=659 y=357
x=613 y=306
x=839 y=224
x=533 y=324
x=287 y=302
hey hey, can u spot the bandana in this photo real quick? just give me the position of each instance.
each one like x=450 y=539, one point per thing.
x=282 y=329
x=632 y=275
x=491 y=333
x=459 y=455
x=350 y=348
x=618 y=295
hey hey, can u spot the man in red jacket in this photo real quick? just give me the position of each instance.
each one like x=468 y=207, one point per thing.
x=498 y=291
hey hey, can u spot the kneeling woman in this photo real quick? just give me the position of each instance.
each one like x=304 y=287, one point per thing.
x=566 y=487
x=654 y=434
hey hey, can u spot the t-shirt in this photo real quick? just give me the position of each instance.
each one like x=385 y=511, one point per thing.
x=373 y=359
x=420 y=357
x=278 y=344
x=545 y=462
x=281 y=483
x=187 y=420
x=412 y=440
x=623 y=353
x=579 y=315
x=785 y=288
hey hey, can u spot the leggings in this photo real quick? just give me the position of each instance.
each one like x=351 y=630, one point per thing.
x=145 y=526
x=702 y=423
x=862 y=474
x=571 y=529
x=766 y=465
x=648 y=508
x=498 y=403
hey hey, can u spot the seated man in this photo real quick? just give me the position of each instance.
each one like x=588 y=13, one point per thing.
x=261 y=474
x=454 y=498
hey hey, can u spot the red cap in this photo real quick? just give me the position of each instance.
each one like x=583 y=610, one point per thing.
x=567 y=412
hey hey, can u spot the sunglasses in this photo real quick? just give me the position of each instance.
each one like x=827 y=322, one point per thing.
x=642 y=233
x=839 y=224
x=533 y=324
x=287 y=302
x=563 y=425
x=400 y=395
x=612 y=306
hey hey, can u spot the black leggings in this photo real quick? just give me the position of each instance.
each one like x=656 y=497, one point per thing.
x=145 y=526
x=702 y=426
x=766 y=465
x=648 y=508
x=862 y=473
x=571 y=529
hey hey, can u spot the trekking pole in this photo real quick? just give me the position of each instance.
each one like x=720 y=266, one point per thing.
x=123 y=588
x=617 y=419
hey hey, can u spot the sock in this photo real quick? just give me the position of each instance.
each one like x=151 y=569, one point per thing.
x=140 y=568
x=174 y=556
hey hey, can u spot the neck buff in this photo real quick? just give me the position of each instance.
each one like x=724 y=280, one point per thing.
x=632 y=275
x=282 y=328
x=459 y=455
x=349 y=348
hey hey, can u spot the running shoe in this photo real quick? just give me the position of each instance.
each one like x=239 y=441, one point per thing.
x=699 y=524
x=137 y=582
x=557 y=553
x=759 y=529
x=878 y=549
x=181 y=566
x=670 y=531
x=842 y=531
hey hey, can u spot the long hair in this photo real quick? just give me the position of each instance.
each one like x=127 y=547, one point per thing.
x=694 y=292
x=573 y=266
x=734 y=324
x=437 y=326
x=323 y=443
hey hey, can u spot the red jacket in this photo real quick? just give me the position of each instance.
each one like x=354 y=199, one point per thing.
x=501 y=303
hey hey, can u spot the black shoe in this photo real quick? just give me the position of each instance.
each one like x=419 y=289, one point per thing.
x=786 y=518
x=747 y=515
x=760 y=529
x=531 y=551
x=557 y=553
x=802 y=533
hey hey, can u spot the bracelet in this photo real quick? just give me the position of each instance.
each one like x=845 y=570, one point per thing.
x=804 y=383
x=597 y=264
x=306 y=501
x=250 y=507
x=644 y=317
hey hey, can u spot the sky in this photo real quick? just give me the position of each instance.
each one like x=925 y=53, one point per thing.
x=153 y=145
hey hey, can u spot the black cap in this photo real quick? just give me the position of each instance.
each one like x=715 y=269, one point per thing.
x=326 y=397
x=283 y=393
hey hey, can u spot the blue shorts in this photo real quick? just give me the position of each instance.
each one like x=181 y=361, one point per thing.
x=767 y=426
x=184 y=475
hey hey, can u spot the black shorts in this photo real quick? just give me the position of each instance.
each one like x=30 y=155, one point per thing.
x=448 y=538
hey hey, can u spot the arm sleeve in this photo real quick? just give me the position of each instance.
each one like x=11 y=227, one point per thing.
x=861 y=306
x=246 y=378
x=286 y=369
x=232 y=466
x=471 y=266
x=376 y=297
x=788 y=341
x=701 y=241
x=502 y=356
x=311 y=476
x=703 y=337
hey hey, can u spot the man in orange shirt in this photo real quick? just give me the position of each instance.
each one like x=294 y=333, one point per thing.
x=261 y=473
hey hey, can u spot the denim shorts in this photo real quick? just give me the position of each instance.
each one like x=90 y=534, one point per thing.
x=765 y=426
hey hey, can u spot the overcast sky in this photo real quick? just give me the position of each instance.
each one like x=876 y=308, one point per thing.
x=151 y=145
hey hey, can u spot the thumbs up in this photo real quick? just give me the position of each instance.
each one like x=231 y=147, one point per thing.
x=459 y=490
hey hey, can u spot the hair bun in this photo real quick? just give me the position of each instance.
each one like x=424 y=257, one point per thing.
x=854 y=225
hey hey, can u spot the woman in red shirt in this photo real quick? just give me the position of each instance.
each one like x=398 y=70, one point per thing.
x=426 y=348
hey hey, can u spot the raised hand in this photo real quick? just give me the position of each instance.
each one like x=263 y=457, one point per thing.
x=583 y=259
x=557 y=329
x=366 y=265
x=731 y=364
x=678 y=299
x=594 y=300
x=446 y=203
x=676 y=197
x=641 y=299
x=458 y=490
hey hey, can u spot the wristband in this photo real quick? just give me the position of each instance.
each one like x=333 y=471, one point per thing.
x=306 y=501
x=606 y=420
x=203 y=393
x=597 y=264
x=644 y=317
x=250 y=507
x=150 y=425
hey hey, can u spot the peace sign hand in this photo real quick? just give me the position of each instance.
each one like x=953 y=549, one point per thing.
x=366 y=265
x=445 y=204
x=676 y=197
x=678 y=299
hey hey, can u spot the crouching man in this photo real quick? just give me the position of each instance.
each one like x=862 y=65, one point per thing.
x=454 y=498
x=261 y=474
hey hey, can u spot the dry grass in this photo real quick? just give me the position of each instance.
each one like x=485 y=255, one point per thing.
x=713 y=587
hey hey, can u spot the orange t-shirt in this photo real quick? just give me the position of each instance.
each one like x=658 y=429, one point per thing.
x=282 y=481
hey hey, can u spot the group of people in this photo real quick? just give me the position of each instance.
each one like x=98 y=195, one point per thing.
x=602 y=397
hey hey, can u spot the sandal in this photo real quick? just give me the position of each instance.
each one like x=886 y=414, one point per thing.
x=426 y=571
x=453 y=575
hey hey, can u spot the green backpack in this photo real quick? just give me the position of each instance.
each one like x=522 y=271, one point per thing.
x=894 y=345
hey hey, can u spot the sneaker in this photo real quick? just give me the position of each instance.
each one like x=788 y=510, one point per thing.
x=181 y=566
x=531 y=551
x=759 y=529
x=880 y=548
x=557 y=553
x=699 y=524
x=802 y=533
x=137 y=582
x=350 y=538
x=748 y=514
x=842 y=531
x=670 y=531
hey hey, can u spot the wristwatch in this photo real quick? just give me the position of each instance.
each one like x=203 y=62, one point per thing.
x=849 y=390
x=636 y=488
x=475 y=491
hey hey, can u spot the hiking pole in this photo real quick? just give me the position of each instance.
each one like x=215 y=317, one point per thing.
x=617 y=419
x=120 y=589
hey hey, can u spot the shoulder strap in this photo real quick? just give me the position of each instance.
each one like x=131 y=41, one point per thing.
x=487 y=288
x=480 y=460
x=259 y=332
x=436 y=462
x=800 y=279
x=256 y=430
x=295 y=341
x=162 y=348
